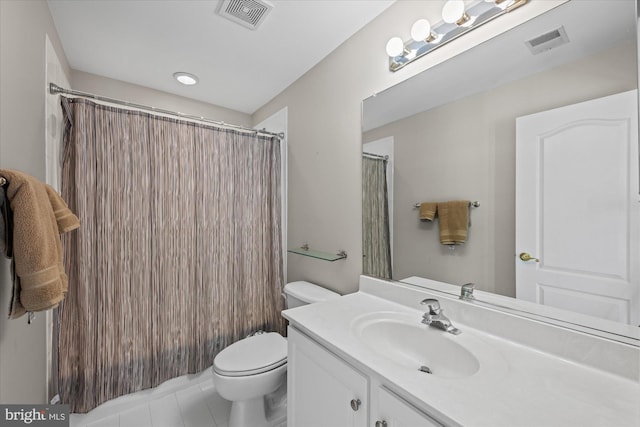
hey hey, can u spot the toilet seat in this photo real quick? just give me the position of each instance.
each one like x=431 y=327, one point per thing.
x=252 y=355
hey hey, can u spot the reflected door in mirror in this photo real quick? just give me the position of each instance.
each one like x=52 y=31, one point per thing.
x=577 y=208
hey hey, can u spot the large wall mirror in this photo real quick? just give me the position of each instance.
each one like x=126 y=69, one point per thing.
x=483 y=127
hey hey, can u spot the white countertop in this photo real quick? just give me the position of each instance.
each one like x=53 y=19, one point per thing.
x=516 y=385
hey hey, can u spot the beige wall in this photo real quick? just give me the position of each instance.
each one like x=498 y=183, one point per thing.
x=466 y=150
x=23 y=28
x=324 y=134
x=142 y=95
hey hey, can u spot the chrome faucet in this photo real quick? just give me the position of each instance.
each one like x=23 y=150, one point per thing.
x=466 y=292
x=434 y=317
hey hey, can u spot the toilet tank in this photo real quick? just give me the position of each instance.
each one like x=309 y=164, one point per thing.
x=302 y=293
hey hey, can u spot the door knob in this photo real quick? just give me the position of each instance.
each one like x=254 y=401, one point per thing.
x=355 y=404
x=382 y=423
x=526 y=257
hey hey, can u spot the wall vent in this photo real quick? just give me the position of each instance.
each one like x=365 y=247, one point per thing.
x=248 y=13
x=547 y=41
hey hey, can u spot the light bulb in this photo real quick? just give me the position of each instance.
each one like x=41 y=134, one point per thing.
x=421 y=31
x=395 y=47
x=453 y=12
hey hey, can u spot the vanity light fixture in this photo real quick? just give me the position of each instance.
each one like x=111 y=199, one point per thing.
x=497 y=2
x=186 y=79
x=456 y=21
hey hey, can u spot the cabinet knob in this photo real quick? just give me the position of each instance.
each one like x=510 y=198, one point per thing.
x=355 y=404
x=382 y=423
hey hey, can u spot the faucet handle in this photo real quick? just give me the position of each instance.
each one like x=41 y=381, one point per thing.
x=466 y=292
x=432 y=304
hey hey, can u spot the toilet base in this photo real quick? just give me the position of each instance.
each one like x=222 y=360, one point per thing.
x=246 y=413
x=264 y=411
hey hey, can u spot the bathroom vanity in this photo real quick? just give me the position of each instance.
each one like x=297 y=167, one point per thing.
x=366 y=359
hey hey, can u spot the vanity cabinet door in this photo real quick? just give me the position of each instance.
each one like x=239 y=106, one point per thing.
x=322 y=389
x=392 y=411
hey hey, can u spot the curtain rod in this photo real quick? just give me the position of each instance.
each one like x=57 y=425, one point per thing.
x=54 y=89
x=375 y=156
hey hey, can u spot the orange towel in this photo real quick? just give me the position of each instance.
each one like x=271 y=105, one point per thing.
x=39 y=215
x=428 y=211
x=65 y=219
x=454 y=222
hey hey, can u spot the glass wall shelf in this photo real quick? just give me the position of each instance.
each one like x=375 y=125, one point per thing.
x=326 y=256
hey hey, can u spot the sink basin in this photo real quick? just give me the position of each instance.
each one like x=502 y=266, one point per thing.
x=403 y=340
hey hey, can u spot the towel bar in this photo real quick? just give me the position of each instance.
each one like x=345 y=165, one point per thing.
x=475 y=204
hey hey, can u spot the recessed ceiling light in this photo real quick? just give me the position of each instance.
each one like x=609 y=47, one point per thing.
x=185 y=78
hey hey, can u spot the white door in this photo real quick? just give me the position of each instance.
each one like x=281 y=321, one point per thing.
x=577 y=208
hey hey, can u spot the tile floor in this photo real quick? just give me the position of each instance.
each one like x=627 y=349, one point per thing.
x=187 y=401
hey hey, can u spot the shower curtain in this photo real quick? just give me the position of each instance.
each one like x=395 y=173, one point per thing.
x=179 y=253
x=376 y=243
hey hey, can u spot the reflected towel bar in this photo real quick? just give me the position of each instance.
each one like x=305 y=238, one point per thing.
x=475 y=204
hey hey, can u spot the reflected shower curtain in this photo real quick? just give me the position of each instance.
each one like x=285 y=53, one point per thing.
x=376 y=243
x=179 y=253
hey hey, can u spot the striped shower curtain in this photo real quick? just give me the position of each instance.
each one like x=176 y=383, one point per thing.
x=179 y=253
x=376 y=242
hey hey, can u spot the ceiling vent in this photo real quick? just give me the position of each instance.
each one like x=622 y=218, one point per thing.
x=248 y=13
x=547 y=41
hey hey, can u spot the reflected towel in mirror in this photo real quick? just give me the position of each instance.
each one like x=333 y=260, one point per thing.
x=454 y=222
x=428 y=211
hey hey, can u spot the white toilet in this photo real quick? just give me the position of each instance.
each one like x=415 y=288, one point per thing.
x=249 y=369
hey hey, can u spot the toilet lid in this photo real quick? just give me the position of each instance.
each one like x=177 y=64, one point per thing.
x=252 y=355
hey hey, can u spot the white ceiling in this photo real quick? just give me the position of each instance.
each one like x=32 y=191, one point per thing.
x=145 y=41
